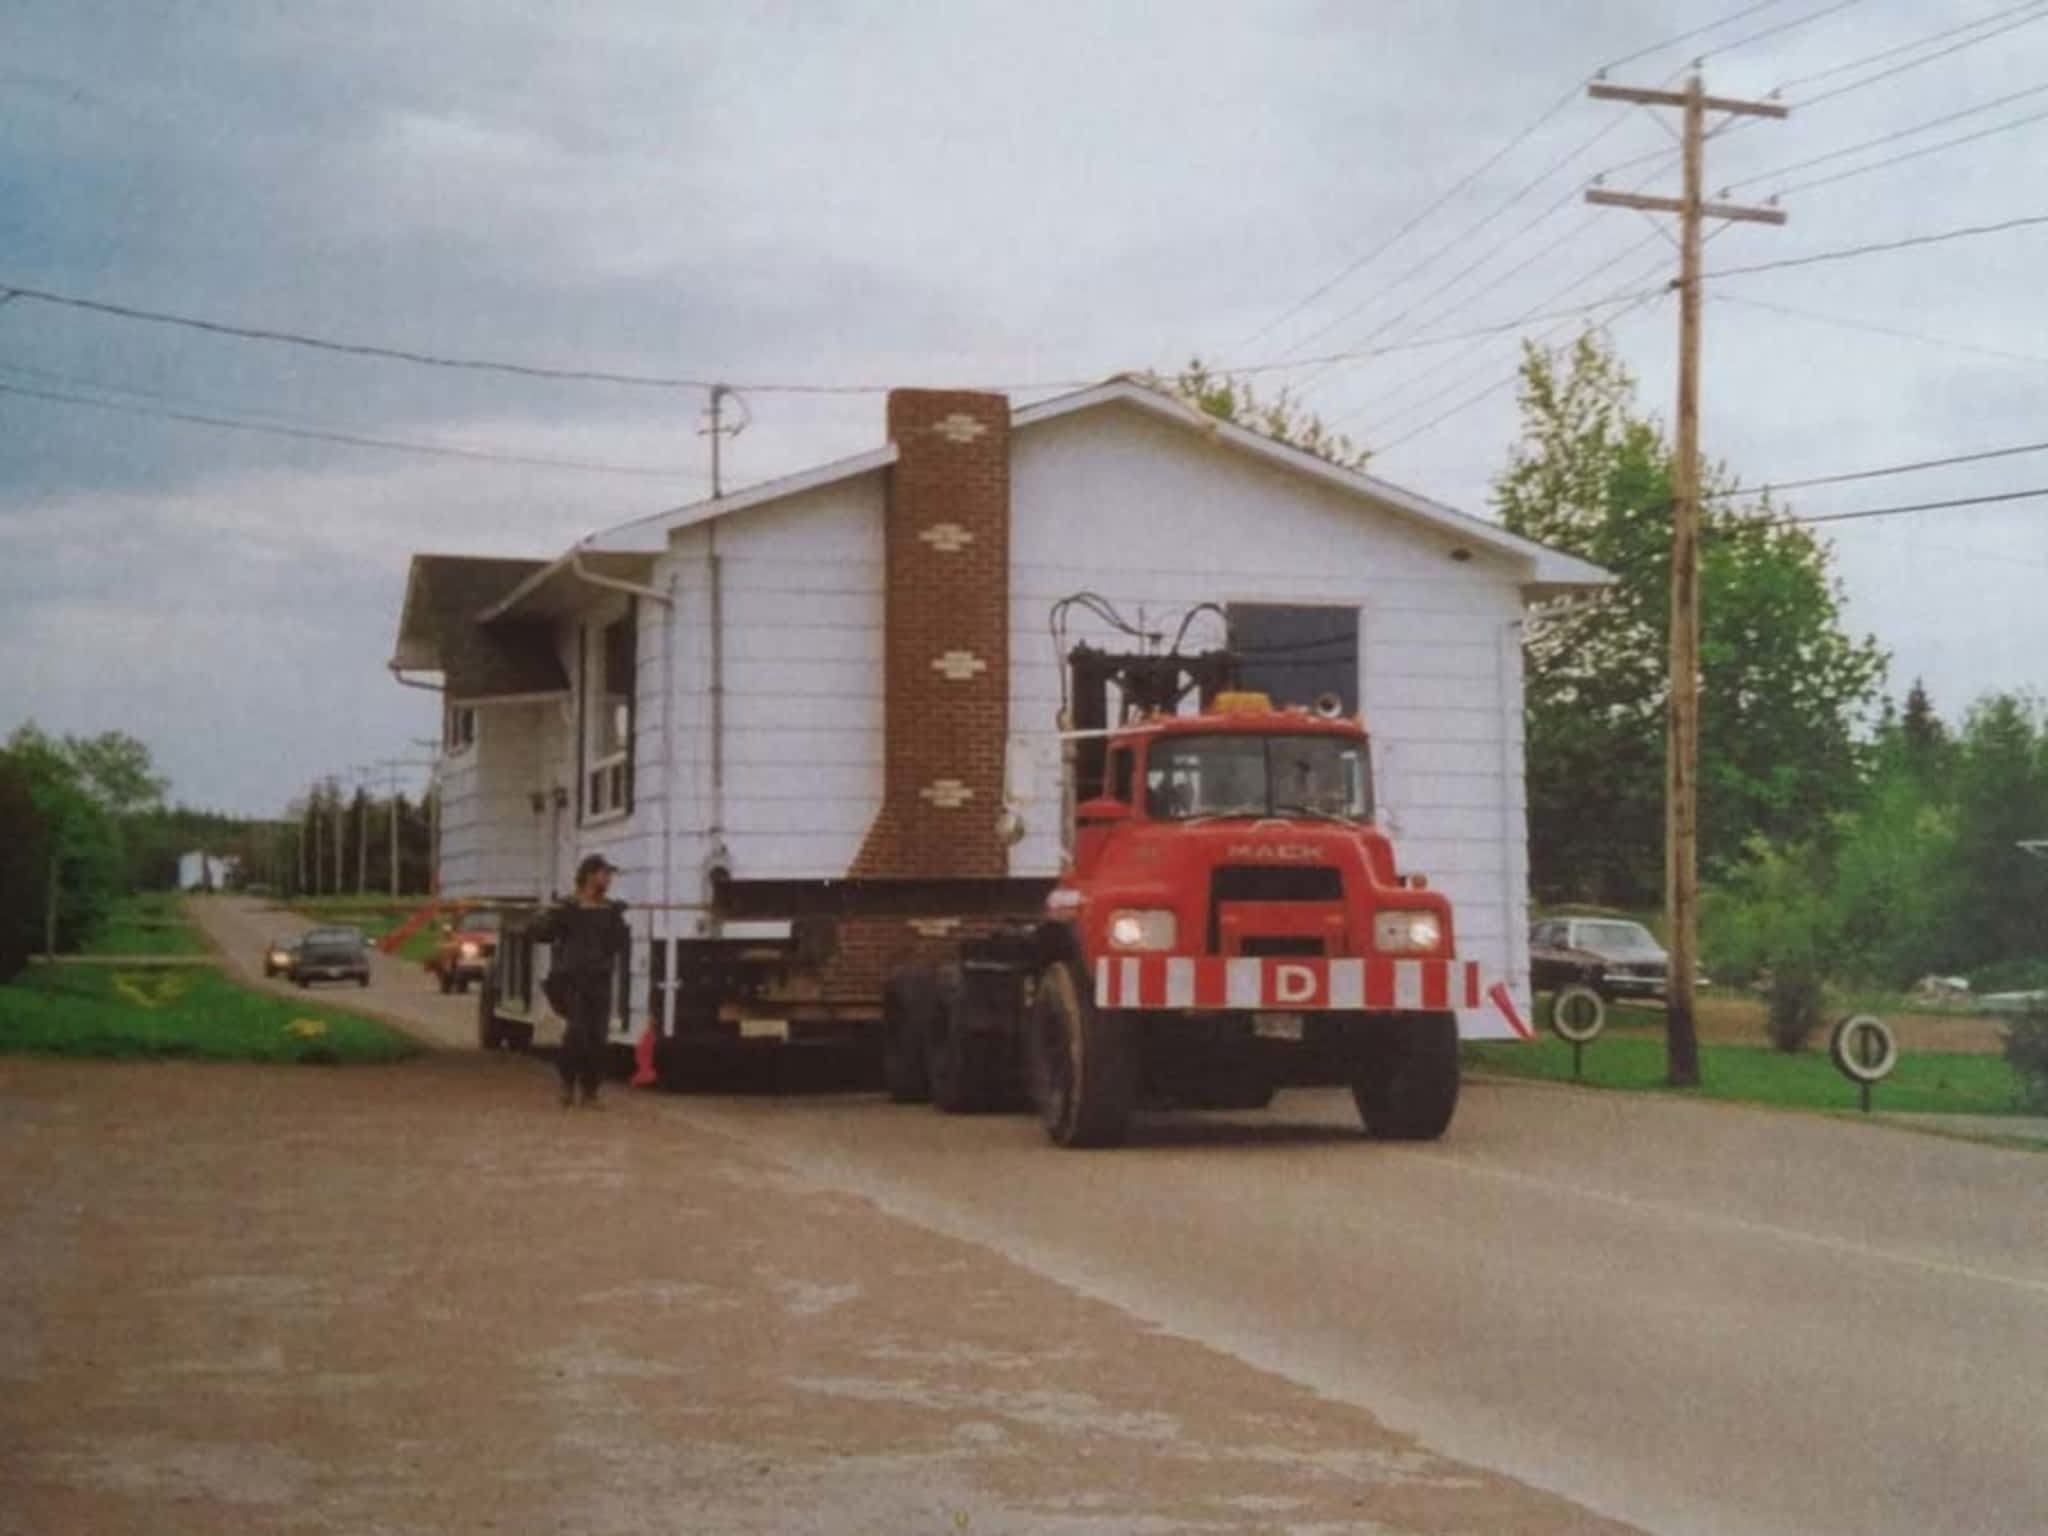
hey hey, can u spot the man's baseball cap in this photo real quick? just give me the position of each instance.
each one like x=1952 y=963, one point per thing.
x=592 y=863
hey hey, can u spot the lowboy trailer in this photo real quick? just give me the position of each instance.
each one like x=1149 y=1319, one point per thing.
x=1230 y=921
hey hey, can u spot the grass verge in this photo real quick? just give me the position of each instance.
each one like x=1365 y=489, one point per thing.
x=187 y=1011
x=1927 y=1082
x=149 y=923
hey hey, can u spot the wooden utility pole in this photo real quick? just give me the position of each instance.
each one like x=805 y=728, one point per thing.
x=1682 y=739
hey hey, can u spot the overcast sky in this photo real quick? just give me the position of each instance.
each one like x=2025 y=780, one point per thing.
x=921 y=194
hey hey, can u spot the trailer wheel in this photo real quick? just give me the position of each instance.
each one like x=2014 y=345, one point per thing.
x=960 y=1064
x=490 y=1032
x=1081 y=1064
x=908 y=1003
x=1409 y=1088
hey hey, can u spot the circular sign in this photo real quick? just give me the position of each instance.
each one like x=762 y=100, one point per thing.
x=1863 y=1048
x=1577 y=1013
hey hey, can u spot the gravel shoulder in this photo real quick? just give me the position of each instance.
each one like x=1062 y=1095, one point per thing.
x=421 y=1299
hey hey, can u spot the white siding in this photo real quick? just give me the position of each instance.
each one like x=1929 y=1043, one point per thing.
x=491 y=841
x=1157 y=520
x=801 y=647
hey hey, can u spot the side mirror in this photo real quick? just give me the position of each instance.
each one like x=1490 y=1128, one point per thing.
x=1101 y=812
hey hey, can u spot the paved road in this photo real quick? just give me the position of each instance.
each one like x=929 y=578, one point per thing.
x=1694 y=1317
x=281 y=1301
x=400 y=992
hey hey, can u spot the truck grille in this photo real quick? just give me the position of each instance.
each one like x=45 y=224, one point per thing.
x=1281 y=945
x=1321 y=883
x=1277 y=882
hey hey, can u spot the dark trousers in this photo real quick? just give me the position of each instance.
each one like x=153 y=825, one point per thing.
x=581 y=1058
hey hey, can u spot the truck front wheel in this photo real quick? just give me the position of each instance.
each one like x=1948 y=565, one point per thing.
x=490 y=1032
x=1408 y=1088
x=1081 y=1063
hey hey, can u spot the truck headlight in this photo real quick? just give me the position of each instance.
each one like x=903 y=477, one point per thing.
x=1407 y=933
x=1154 y=929
x=470 y=952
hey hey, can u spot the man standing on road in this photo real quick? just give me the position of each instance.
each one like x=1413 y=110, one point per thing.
x=586 y=935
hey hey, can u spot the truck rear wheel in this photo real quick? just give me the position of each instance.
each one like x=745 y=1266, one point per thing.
x=1409 y=1088
x=1081 y=1064
x=960 y=1063
x=909 y=1002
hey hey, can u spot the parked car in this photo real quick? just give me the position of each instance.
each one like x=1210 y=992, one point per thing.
x=277 y=958
x=1618 y=958
x=464 y=952
x=331 y=954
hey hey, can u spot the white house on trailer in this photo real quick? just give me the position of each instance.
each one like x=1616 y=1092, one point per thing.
x=851 y=674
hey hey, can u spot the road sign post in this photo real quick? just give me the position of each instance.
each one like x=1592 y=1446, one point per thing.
x=1577 y=1015
x=1864 y=1050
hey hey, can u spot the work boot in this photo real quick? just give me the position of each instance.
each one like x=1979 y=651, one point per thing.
x=568 y=1095
x=590 y=1096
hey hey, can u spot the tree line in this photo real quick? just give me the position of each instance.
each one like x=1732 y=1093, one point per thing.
x=83 y=822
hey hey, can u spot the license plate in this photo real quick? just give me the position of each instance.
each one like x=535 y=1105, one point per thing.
x=1276 y=1026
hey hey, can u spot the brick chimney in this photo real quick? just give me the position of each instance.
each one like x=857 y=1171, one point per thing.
x=947 y=648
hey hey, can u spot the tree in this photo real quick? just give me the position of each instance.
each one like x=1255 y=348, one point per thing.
x=2000 y=900
x=1783 y=686
x=1282 y=418
x=24 y=867
x=117 y=771
x=83 y=838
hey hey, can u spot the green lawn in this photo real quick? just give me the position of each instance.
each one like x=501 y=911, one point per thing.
x=192 y=1011
x=1930 y=1082
x=149 y=923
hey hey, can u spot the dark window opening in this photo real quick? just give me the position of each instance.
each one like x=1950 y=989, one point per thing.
x=1298 y=655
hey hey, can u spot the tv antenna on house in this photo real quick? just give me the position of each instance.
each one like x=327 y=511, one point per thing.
x=720 y=393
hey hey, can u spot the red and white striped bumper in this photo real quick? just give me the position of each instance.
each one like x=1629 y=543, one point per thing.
x=1212 y=984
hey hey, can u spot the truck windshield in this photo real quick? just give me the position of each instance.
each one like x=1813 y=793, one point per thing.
x=1187 y=777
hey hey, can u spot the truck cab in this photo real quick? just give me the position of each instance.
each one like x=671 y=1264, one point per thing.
x=1230 y=922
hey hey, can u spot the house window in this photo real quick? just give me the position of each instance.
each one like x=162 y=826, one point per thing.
x=458 y=729
x=1305 y=655
x=608 y=721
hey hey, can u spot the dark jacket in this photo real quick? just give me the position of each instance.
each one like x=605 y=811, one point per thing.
x=586 y=942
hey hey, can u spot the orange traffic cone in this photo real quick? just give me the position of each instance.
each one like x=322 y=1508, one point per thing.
x=643 y=1059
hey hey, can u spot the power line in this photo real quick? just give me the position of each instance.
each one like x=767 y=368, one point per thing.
x=1911 y=64
x=1683 y=37
x=1844 y=478
x=1919 y=42
x=1531 y=318
x=1911 y=154
x=1886 y=138
x=350 y=439
x=1783 y=26
x=1352 y=268
x=1887 y=245
x=1499 y=384
x=1921 y=506
x=1881 y=330
x=470 y=364
x=1424 y=343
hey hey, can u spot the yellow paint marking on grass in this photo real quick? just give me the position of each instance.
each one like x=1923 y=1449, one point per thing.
x=307 y=1029
x=152 y=989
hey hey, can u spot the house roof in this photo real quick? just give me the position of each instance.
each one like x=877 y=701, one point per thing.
x=1548 y=572
x=531 y=591
x=438 y=631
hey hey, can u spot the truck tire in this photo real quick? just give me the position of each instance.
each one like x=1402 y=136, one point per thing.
x=1408 y=1090
x=959 y=1064
x=908 y=1003
x=1081 y=1064
x=446 y=985
x=490 y=1032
